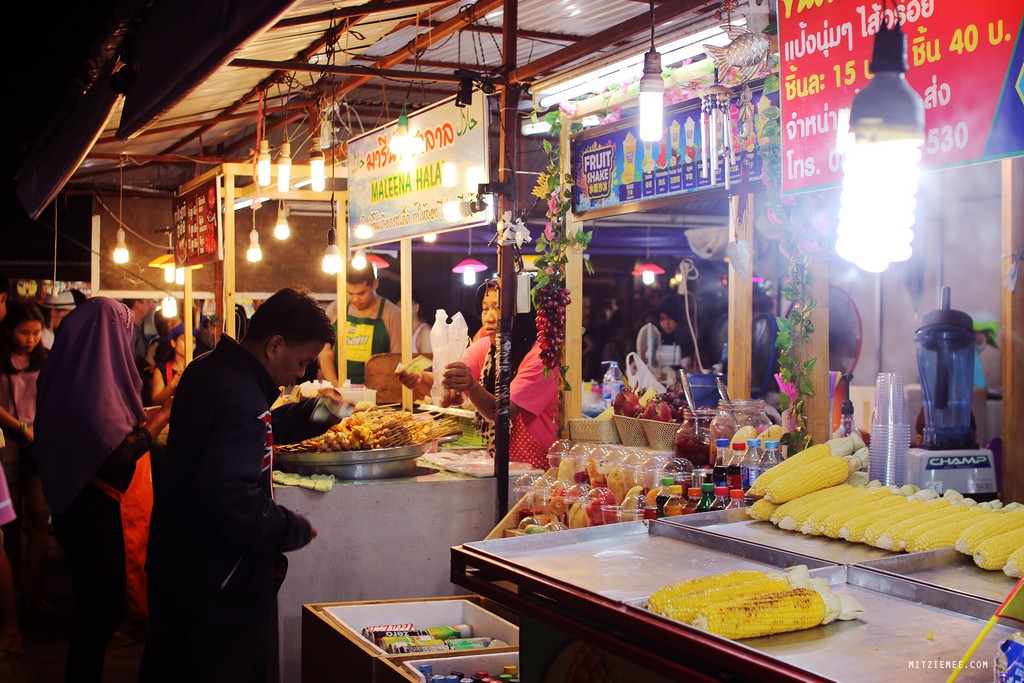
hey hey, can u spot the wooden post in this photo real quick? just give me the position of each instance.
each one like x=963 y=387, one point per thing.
x=572 y=401
x=405 y=263
x=341 y=235
x=229 y=255
x=819 y=417
x=190 y=324
x=1012 y=331
x=741 y=302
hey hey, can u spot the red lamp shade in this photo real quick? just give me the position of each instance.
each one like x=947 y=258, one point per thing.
x=378 y=262
x=469 y=264
x=648 y=268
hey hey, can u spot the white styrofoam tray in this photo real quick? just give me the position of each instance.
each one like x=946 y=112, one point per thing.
x=424 y=614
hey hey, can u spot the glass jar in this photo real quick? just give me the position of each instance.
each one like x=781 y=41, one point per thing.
x=723 y=426
x=750 y=413
x=693 y=438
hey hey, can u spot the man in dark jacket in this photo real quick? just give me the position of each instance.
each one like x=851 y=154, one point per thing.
x=217 y=536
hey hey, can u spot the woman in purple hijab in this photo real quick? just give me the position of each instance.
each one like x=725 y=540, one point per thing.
x=92 y=428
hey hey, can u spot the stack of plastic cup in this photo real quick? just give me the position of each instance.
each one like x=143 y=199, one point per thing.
x=890 y=431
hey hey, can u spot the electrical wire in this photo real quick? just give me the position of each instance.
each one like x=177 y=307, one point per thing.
x=99 y=200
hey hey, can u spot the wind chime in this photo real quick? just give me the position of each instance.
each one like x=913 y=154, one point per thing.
x=716 y=133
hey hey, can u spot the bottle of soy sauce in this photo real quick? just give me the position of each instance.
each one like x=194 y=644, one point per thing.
x=719 y=472
x=734 y=468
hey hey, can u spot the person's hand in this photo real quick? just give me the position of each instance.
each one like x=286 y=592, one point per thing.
x=410 y=379
x=458 y=377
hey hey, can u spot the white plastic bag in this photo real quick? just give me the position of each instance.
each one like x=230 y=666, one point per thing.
x=640 y=376
x=448 y=341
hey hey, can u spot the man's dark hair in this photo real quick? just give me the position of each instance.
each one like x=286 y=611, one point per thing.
x=295 y=315
x=358 y=277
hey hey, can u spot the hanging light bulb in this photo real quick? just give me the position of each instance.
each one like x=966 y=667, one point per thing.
x=254 y=253
x=263 y=164
x=120 y=249
x=179 y=276
x=316 y=166
x=401 y=140
x=430 y=237
x=168 y=307
x=169 y=275
x=284 y=168
x=652 y=92
x=648 y=272
x=282 y=231
x=364 y=231
x=880 y=167
x=468 y=268
x=332 y=255
x=359 y=259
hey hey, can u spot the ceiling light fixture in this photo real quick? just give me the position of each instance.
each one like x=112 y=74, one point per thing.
x=364 y=231
x=332 y=255
x=282 y=230
x=648 y=272
x=359 y=259
x=880 y=165
x=263 y=164
x=377 y=262
x=468 y=268
x=430 y=237
x=316 y=166
x=652 y=92
x=120 y=248
x=284 y=167
x=169 y=307
x=254 y=253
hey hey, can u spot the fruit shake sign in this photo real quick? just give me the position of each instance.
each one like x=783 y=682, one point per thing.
x=402 y=195
x=614 y=169
x=966 y=60
x=197 y=234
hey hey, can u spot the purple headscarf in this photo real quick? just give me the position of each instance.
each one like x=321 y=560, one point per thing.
x=89 y=398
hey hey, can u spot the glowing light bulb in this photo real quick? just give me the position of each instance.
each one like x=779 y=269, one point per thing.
x=282 y=231
x=254 y=253
x=169 y=275
x=648 y=277
x=120 y=249
x=263 y=164
x=364 y=231
x=652 y=96
x=284 y=168
x=469 y=276
x=179 y=276
x=168 y=307
x=430 y=237
x=359 y=260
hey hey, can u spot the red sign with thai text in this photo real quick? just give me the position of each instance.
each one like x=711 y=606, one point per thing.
x=965 y=61
x=197 y=232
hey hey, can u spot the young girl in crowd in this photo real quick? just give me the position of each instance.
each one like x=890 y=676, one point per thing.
x=21 y=357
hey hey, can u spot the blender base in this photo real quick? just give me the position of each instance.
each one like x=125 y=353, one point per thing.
x=969 y=471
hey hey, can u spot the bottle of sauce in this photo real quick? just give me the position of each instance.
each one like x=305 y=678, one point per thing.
x=707 y=498
x=661 y=497
x=734 y=467
x=720 y=476
x=736 y=500
x=692 y=498
x=721 y=498
x=674 y=504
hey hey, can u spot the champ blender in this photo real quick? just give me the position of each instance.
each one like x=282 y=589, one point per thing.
x=949 y=457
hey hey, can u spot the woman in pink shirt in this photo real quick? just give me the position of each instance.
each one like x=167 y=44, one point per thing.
x=534 y=397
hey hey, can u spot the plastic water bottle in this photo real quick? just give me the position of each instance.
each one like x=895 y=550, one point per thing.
x=611 y=385
x=771 y=456
x=750 y=466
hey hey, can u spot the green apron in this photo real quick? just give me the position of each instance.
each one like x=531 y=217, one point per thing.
x=365 y=337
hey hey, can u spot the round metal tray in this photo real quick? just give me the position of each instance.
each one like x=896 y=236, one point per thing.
x=379 y=463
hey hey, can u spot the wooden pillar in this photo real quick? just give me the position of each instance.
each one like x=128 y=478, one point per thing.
x=229 y=255
x=1012 y=332
x=405 y=263
x=819 y=417
x=572 y=401
x=341 y=236
x=190 y=324
x=741 y=301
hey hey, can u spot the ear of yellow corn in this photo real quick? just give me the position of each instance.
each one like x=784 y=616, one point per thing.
x=763 y=615
x=762 y=510
x=794 y=462
x=876 y=530
x=813 y=476
x=993 y=553
x=791 y=515
x=941 y=534
x=829 y=524
x=671 y=602
x=856 y=498
x=971 y=537
x=894 y=537
x=1015 y=564
x=704 y=583
x=853 y=528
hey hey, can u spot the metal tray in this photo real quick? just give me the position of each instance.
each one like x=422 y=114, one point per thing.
x=737 y=524
x=633 y=559
x=949 y=569
x=379 y=463
x=909 y=631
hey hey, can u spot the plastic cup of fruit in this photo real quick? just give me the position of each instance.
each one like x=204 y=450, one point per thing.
x=629 y=515
x=610 y=513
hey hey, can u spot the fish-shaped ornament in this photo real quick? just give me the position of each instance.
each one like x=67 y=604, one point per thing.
x=746 y=51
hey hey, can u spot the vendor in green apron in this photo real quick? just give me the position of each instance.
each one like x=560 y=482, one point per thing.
x=374 y=326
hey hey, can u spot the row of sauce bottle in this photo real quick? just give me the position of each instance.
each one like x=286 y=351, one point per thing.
x=735 y=469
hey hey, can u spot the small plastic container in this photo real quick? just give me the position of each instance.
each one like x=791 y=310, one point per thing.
x=594 y=503
x=557 y=451
x=736 y=500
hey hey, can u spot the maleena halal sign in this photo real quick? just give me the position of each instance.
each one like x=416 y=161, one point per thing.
x=398 y=186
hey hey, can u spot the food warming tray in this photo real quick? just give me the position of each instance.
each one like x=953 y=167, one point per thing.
x=378 y=463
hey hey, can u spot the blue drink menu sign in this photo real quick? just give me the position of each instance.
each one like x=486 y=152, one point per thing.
x=615 y=172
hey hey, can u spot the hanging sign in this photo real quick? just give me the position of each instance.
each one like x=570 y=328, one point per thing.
x=197 y=229
x=966 y=59
x=401 y=195
x=615 y=172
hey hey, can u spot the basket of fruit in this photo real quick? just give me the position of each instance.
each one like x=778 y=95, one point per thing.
x=631 y=430
x=660 y=434
x=591 y=430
